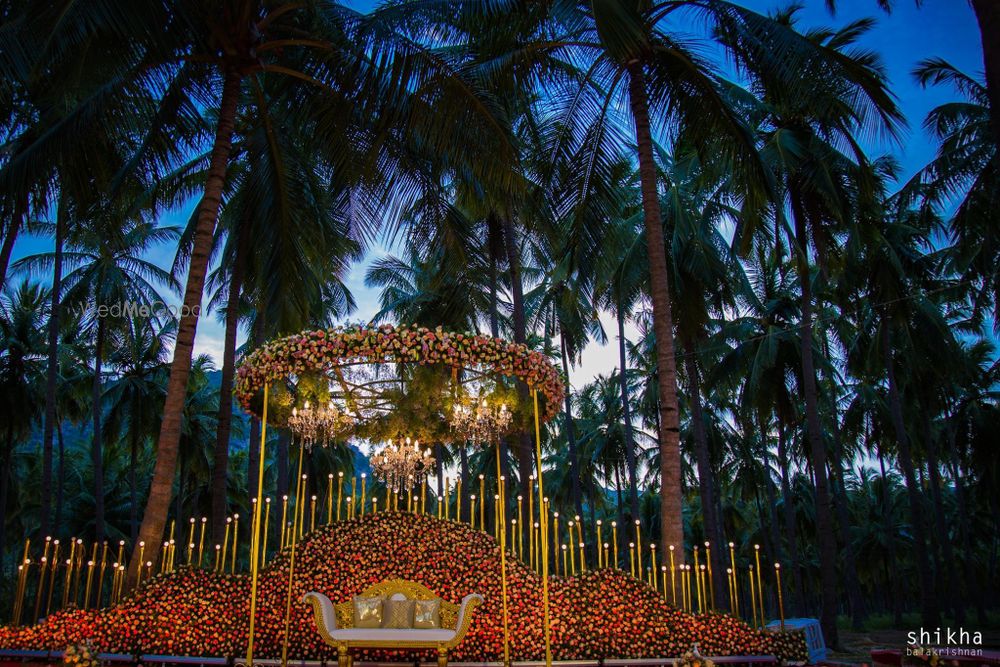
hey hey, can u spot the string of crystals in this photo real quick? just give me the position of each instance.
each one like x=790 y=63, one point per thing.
x=480 y=421
x=318 y=425
x=402 y=466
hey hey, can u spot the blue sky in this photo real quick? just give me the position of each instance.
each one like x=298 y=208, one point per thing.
x=939 y=28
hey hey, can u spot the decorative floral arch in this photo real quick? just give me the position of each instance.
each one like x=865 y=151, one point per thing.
x=327 y=350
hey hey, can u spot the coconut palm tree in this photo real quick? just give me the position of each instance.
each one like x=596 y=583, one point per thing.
x=802 y=135
x=109 y=277
x=22 y=354
x=134 y=397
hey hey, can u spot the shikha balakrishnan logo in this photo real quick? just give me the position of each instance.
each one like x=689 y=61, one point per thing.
x=945 y=642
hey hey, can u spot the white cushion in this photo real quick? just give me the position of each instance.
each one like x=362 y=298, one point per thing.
x=386 y=634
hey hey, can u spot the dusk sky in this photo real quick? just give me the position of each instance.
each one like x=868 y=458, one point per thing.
x=939 y=28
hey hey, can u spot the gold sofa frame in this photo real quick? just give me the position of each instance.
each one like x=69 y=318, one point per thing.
x=451 y=619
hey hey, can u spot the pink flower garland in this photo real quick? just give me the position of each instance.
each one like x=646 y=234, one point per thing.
x=324 y=349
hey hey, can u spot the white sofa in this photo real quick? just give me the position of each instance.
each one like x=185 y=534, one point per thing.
x=334 y=622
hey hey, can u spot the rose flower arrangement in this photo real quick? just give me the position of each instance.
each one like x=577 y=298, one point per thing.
x=603 y=613
x=324 y=349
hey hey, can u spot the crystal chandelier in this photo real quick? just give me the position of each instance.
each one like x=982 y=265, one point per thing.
x=401 y=466
x=480 y=421
x=318 y=425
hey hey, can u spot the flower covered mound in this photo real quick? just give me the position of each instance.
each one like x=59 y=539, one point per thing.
x=604 y=613
x=325 y=349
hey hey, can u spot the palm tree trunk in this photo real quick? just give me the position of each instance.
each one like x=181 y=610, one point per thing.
x=892 y=579
x=154 y=518
x=950 y=583
x=928 y=600
x=706 y=477
x=972 y=590
x=840 y=500
x=61 y=474
x=988 y=17
x=52 y=371
x=96 y=450
x=133 y=491
x=814 y=436
x=671 y=522
x=7 y=247
x=788 y=510
x=574 y=465
x=7 y=456
x=627 y=415
x=524 y=450
x=220 y=458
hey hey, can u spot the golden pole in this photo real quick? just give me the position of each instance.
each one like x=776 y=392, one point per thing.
x=53 y=564
x=729 y=576
x=697 y=588
x=531 y=521
x=458 y=501
x=255 y=537
x=291 y=560
x=614 y=540
x=696 y=565
x=638 y=548
x=673 y=582
x=340 y=495
x=375 y=504
x=225 y=543
x=605 y=554
x=312 y=514
x=781 y=599
x=284 y=520
x=545 y=536
x=354 y=491
x=218 y=552
x=502 y=534
x=520 y=532
x=753 y=598
x=329 y=498
x=364 y=491
x=267 y=527
x=472 y=511
x=447 y=500
x=711 y=583
x=555 y=530
x=583 y=560
x=760 y=591
x=565 y=569
x=687 y=569
x=736 y=592
x=190 y=553
x=600 y=560
x=201 y=540
x=236 y=537
x=652 y=556
x=482 y=503
x=631 y=557
x=90 y=580
x=439 y=507
x=663 y=577
x=100 y=575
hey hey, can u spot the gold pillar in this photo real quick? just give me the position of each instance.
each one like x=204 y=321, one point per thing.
x=255 y=538
x=545 y=535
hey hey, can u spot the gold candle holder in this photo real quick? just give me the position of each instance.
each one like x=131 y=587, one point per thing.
x=364 y=491
x=631 y=557
x=520 y=533
x=673 y=581
x=472 y=511
x=652 y=559
x=482 y=503
x=583 y=559
x=263 y=538
x=732 y=598
x=284 y=520
x=374 y=504
x=340 y=495
x=760 y=591
x=708 y=567
x=600 y=559
x=781 y=598
x=638 y=547
x=605 y=554
x=736 y=591
x=236 y=537
x=201 y=539
x=614 y=540
x=329 y=498
x=565 y=568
